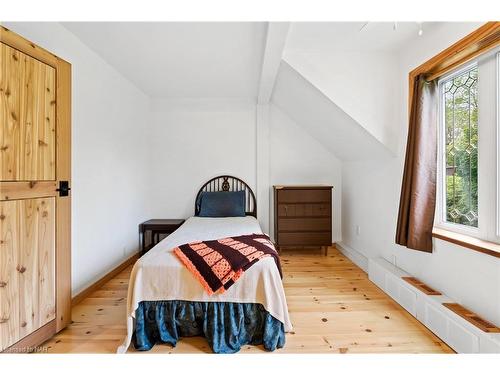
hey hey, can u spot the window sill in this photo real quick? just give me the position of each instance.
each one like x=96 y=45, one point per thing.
x=485 y=247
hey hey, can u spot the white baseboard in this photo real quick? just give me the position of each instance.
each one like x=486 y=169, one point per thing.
x=354 y=255
x=458 y=333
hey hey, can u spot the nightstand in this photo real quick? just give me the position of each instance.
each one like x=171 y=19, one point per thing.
x=157 y=227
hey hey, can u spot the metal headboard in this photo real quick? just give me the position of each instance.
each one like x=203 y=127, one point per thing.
x=229 y=183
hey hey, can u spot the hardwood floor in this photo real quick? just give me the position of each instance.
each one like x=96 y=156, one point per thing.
x=333 y=306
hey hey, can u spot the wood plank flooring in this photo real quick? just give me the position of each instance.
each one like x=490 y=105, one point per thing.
x=333 y=306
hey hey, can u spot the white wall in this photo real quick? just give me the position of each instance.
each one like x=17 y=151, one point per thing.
x=194 y=140
x=471 y=278
x=297 y=158
x=109 y=153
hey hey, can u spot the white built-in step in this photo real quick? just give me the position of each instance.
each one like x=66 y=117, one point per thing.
x=458 y=333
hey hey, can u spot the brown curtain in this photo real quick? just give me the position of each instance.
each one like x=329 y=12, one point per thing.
x=418 y=191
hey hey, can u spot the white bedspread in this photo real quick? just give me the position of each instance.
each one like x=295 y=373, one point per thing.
x=159 y=275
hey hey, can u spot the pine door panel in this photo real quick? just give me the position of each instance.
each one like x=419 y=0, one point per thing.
x=28 y=260
x=9 y=112
x=27 y=267
x=46 y=218
x=28 y=113
x=9 y=280
x=37 y=113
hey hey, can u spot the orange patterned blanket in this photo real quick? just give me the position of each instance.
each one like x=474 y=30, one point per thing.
x=218 y=264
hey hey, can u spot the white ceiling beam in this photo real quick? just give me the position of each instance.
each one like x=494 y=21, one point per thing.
x=275 y=43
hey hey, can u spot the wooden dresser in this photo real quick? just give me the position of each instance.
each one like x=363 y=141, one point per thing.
x=303 y=215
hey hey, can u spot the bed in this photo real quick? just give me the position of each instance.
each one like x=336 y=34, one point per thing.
x=166 y=302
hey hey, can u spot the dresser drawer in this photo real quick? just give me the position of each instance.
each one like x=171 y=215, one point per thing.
x=305 y=239
x=304 y=195
x=304 y=224
x=304 y=210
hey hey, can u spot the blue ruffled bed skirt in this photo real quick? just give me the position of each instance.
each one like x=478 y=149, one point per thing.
x=227 y=326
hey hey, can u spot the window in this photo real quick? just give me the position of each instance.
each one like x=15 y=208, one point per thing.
x=459 y=98
x=468 y=189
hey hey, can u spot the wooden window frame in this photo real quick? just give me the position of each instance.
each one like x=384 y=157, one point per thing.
x=480 y=41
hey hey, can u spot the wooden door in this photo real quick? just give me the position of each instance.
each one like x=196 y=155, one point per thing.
x=35 y=140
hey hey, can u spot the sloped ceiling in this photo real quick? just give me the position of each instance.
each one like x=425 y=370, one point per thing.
x=323 y=119
x=362 y=84
x=355 y=65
